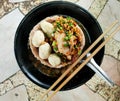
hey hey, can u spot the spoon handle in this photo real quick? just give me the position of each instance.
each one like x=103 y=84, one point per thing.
x=96 y=68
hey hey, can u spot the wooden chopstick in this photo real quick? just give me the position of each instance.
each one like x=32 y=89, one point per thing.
x=84 y=53
x=83 y=64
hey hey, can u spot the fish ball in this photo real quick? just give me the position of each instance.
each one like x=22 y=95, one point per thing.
x=47 y=27
x=44 y=51
x=54 y=60
x=38 y=38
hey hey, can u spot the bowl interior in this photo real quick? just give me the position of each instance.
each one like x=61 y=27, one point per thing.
x=36 y=15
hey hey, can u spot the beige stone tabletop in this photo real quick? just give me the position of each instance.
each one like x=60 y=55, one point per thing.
x=15 y=86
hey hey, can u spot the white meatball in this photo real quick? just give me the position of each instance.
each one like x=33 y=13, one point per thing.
x=54 y=60
x=47 y=27
x=44 y=51
x=38 y=38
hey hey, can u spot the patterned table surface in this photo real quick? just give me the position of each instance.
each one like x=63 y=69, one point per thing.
x=13 y=83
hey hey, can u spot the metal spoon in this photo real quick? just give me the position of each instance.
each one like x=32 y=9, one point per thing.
x=97 y=69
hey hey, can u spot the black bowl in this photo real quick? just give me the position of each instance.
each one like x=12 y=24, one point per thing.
x=36 y=15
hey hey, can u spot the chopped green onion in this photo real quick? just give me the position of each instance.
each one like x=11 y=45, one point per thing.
x=55 y=49
x=66 y=45
x=58 y=23
x=79 y=52
x=68 y=18
x=70 y=24
x=69 y=36
x=61 y=28
x=54 y=43
x=63 y=21
x=66 y=38
x=66 y=32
